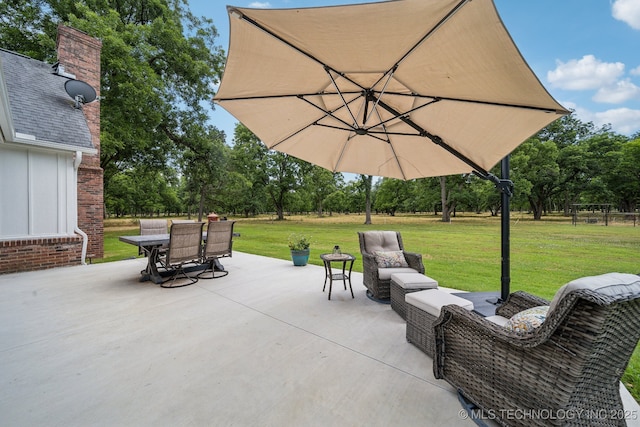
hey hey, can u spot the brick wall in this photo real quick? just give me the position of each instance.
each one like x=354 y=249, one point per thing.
x=80 y=55
x=39 y=254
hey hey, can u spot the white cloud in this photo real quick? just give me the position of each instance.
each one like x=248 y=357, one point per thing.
x=260 y=4
x=622 y=120
x=585 y=73
x=618 y=93
x=635 y=71
x=627 y=11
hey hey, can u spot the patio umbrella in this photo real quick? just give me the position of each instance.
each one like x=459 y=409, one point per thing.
x=403 y=89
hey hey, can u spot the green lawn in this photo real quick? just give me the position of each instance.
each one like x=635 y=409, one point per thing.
x=464 y=254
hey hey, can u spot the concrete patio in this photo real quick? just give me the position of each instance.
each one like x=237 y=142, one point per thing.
x=91 y=345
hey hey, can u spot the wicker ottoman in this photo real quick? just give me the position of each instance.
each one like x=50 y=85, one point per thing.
x=404 y=283
x=423 y=309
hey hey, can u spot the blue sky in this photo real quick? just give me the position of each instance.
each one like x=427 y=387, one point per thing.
x=585 y=52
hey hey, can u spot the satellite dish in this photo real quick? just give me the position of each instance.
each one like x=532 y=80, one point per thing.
x=80 y=91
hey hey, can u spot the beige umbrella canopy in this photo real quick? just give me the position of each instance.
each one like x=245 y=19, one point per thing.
x=403 y=89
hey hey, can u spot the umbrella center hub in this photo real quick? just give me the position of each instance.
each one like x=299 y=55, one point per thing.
x=361 y=131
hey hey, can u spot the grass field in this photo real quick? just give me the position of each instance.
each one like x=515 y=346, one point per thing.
x=464 y=254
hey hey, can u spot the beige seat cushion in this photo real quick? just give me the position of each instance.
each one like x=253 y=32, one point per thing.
x=498 y=320
x=414 y=281
x=610 y=284
x=386 y=273
x=432 y=301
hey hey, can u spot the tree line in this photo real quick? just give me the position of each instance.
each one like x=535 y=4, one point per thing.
x=566 y=163
x=161 y=156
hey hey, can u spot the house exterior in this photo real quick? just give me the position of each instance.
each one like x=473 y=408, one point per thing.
x=51 y=183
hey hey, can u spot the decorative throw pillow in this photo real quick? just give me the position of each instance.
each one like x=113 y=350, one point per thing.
x=527 y=320
x=388 y=259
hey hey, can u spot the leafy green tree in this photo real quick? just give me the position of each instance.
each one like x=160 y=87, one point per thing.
x=603 y=150
x=204 y=165
x=26 y=27
x=451 y=188
x=320 y=183
x=273 y=173
x=249 y=160
x=285 y=176
x=427 y=195
x=537 y=164
x=336 y=202
x=624 y=180
x=391 y=194
x=237 y=195
x=355 y=197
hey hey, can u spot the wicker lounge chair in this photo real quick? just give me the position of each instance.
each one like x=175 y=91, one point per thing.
x=569 y=366
x=185 y=247
x=378 y=279
x=218 y=245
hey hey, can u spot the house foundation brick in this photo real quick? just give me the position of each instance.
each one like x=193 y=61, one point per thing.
x=39 y=254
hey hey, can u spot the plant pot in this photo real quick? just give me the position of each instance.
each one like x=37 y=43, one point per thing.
x=300 y=258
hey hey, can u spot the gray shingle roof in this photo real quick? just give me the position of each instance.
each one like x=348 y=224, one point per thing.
x=39 y=104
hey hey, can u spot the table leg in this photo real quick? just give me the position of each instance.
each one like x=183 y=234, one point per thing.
x=154 y=274
x=328 y=274
x=349 y=277
x=344 y=276
x=151 y=271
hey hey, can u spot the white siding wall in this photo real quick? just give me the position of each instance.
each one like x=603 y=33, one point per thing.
x=37 y=193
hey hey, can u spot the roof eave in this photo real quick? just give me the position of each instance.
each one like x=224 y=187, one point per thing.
x=19 y=140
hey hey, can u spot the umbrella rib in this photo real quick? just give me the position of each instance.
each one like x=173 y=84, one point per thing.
x=448 y=16
x=480 y=171
x=406 y=113
x=497 y=104
x=256 y=24
x=382 y=92
x=327 y=70
x=475 y=101
x=330 y=112
x=393 y=150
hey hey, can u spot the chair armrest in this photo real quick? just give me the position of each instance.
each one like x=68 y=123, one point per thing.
x=415 y=261
x=519 y=301
x=369 y=266
x=463 y=336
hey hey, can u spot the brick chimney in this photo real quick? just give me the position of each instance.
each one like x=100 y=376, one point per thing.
x=79 y=53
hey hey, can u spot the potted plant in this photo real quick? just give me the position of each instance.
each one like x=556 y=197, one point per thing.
x=299 y=246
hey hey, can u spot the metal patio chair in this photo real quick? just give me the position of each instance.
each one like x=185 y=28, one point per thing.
x=218 y=245
x=185 y=248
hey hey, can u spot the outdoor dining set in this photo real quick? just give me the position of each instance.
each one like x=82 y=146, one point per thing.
x=184 y=254
x=563 y=358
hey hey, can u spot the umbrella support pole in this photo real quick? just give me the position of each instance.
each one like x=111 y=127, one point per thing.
x=505 y=186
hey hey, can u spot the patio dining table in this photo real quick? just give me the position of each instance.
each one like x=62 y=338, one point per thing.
x=152 y=245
